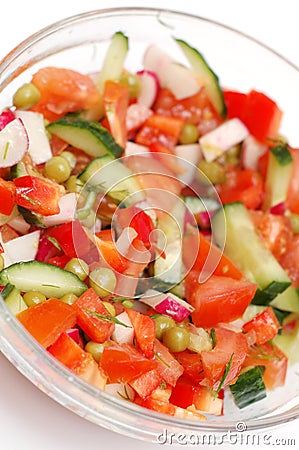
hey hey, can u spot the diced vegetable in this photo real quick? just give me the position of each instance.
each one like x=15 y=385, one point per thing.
x=249 y=387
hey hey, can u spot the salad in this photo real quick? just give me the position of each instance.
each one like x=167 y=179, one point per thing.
x=149 y=226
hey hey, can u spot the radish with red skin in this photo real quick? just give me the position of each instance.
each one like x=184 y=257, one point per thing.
x=14 y=143
x=168 y=304
x=251 y=151
x=149 y=88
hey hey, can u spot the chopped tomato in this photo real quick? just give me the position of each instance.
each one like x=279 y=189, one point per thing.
x=160 y=406
x=166 y=156
x=159 y=128
x=110 y=255
x=192 y=365
x=7 y=196
x=57 y=145
x=146 y=383
x=47 y=320
x=196 y=109
x=183 y=392
x=292 y=201
x=290 y=260
x=116 y=101
x=37 y=194
x=199 y=253
x=242 y=185
x=59 y=260
x=145 y=332
x=137 y=219
x=273 y=359
x=72 y=239
x=92 y=316
x=265 y=326
x=219 y=299
x=276 y=230
x=168 y=366
x=229 y=352
x=8 y=233
x=122 y=363
x=68 y=352
x=235 y=103
x=62 y=91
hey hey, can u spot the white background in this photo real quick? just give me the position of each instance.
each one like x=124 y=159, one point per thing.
x=29 y=420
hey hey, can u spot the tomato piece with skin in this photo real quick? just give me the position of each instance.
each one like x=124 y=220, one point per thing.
x=231 y=348
x=192 y=365
x=59 y=260
x=219 y=299
x=242 y=185
x=159 y=128
x=168 y=366
x=122 y=363
x=137 y=219
x=290 y=260
x=276 y=231
x=235 y=103
x=273 y=359
x=87 y=306
x=265 y=326
x=63 y=90
x=182 y=393
x=37 y=194
x=8 y=233
x=47 y=320
x=116 y=102
x=145 y=332
x=68 y=352
x=72 y=239
x=7 y=196
x=292 y=200
x=145 y=384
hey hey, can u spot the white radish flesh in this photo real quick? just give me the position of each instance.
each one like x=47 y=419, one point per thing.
x=168 y=304
x=251 y=151
x=189 y=156
x=180 y=80
x=67 y=206
x=13 y=143
x=149 y=88
x=23 y=248
x=123 y=334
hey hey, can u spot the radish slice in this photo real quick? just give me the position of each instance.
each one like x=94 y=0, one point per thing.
x=13 y=143
x=180 y=80
x=120 y=390
x=6 y=117
x=123 y=334
x=190 y=155
x=23 y=248
x=149 y=88
x=216 y=142
x=137 y=114
x=157 y=61
x=278 y=209
x=67 y=206
x=168 y=304
x=39 y=146
x=251 y=151
x=74 y=334
x=135 y=149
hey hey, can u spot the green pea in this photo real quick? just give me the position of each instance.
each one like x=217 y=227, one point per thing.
x=69 y=299
x=78 y=267
x=58 y=169
x=70 y=158
x=189 y=134
x=95 y=349
x=131 y=81
x=26 y=96
x=32 y=298
x=103 y=281
x=73 y=184
x=163 y=323
x=176 y=339
x=1 y=262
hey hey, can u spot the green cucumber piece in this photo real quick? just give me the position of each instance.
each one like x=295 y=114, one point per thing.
x=50 y=280
x=13 y=299
x=203 y=70
x=31 y=217
x=111 y=176
x=249 y=387
x=86 y=135
x=18 y=170
x=278 y=177
x=270 y=292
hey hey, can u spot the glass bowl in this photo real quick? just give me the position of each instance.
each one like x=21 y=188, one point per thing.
x=79 y=42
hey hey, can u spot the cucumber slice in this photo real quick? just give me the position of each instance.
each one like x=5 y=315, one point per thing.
x=249 y=387
x=18 y=170
x=278 y=177
x=288 y=342
x=86 y=135
x=31 y=217
x=203 y=70
x=13 y=299
x=111 y=176
x=50 y=280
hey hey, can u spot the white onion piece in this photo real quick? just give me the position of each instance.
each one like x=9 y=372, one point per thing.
x=251 y=151
x=216 y=142
x=168 y=304
x=67 y=205
x=149 y=87
x=14 y=143
x=125 y=240
x=23 y=248
x=180 y=80
x=190 y=155
x=122 y=334
x=39 y=146
x=120 y=390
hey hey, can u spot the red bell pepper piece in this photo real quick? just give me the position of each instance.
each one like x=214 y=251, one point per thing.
x=192 y=365
x=59 y=260
x=168 y=366
x=68 y=352
x=159 y=128
x=116 y=101
x=123 y=363
x=265 y=325
x=47 y=320
x=37 y=194
x=146 y=383
x=72 y=239
x=97 y=328
x=7 y=196
x=145 y=332
x=235 y=103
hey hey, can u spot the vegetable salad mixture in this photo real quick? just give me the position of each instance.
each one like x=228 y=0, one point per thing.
x=149 y=230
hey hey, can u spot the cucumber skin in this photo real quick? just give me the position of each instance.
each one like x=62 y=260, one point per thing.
x=249 y=387
x=42 y=277
x=106 y=142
